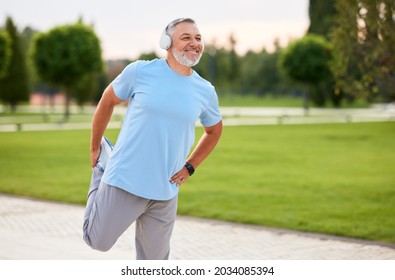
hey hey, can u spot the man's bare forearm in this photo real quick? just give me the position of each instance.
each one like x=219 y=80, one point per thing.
x=100 y=120
x=206 y=144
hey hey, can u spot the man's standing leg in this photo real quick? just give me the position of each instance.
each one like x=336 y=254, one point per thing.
x=154 y=229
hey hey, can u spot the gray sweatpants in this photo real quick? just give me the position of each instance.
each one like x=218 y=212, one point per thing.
x=111 y=210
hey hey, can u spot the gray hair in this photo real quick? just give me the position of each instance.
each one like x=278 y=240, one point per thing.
x=170 y=28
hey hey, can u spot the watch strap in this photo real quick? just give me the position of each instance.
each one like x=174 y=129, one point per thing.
x=190 y=168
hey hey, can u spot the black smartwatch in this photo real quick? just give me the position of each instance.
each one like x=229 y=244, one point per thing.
x=190 y=168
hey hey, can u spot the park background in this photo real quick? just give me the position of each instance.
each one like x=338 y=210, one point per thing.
x=309 y=132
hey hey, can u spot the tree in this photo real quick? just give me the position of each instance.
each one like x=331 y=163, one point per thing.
x=85 y=89
x=259 y=72
x=148 y=56
x=364 y=42
x=208 y=64
x=307 y=60
x=233 y=60
x=5 y=53
x=321 y=14
x=27 y=36
x=14 y=87
x=65 y=55
x=269 y=77
x=215 y=65
x=250 y=76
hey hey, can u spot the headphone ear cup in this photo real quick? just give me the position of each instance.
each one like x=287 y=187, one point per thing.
x=165 y=41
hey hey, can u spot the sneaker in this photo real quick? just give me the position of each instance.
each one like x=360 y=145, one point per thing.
x=106 y=148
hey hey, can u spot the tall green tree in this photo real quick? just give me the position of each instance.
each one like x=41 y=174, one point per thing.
x=234 y=61
x=322 y=16
x=85 y=89
x=307 y=61
x=208 y=64
x=260 y=73
x=215 y=65
x=27 y=38
x=65 y=55
x=14 y=87
x=5 y=52
x=250 y=76
x=364 y=42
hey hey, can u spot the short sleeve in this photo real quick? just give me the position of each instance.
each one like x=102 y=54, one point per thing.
x=124 y=83
x=211 y=116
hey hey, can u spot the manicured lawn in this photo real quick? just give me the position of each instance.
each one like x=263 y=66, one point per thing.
x=337 y=179
x=267 y=100
x=332 y=178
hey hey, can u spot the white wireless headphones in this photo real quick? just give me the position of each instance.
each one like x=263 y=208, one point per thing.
x=165 y=40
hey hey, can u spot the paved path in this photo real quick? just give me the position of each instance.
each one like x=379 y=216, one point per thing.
x=32 y=229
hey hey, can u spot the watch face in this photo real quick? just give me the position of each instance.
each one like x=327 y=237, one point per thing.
x=190 y=168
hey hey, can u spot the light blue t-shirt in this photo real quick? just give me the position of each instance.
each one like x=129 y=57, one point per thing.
x=159 y=126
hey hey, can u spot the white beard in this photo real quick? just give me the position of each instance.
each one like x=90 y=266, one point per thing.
x=183 y=59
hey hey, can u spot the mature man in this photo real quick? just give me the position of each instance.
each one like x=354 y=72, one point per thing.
x=150 y=160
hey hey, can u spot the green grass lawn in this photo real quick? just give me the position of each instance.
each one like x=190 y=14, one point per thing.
x=250 y=100
x=330 y=178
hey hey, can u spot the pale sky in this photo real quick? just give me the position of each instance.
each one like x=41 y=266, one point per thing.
x=127 y=28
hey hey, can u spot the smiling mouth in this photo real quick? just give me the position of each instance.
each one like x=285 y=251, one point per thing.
x=193 y=50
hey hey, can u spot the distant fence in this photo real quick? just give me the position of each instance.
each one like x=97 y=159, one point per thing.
x=233 y=116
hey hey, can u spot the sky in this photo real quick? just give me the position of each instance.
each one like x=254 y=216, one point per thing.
x=127 y=28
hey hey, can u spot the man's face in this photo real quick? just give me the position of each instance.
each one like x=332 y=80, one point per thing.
x=187 y=45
